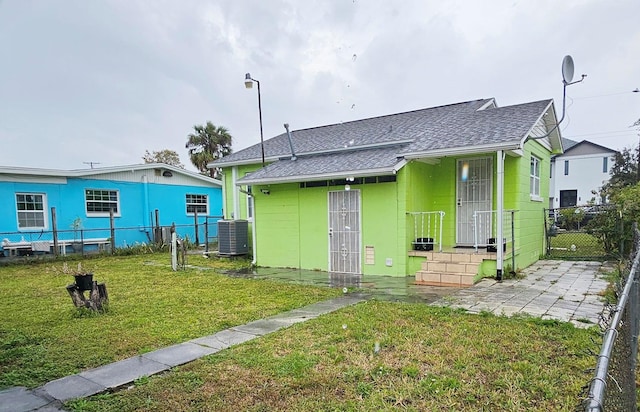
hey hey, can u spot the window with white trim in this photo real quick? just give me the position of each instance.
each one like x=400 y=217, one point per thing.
x=249 y=204
x=98 y=202
x=534 y=177
x=31 y=209
x=197 y=203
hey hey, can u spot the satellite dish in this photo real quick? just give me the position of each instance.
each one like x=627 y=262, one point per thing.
x=567 y=69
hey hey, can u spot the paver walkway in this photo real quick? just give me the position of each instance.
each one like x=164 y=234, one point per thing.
x=567 y=291
x=550 y=289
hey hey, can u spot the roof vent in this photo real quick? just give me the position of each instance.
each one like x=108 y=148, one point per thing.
x=167 y=173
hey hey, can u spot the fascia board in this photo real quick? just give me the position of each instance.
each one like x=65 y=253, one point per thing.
x=322 y=176
x=221 y=163
x=460 y=151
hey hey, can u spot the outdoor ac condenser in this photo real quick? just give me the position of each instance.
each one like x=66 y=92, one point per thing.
x=233 y=237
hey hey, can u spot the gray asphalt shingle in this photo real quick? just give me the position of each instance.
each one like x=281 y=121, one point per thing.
x=379 y=142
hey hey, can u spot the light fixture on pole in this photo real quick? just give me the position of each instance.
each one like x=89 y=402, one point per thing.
x=248 y=83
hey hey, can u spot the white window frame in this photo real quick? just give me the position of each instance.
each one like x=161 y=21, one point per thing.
x=250 y=205
x=93 y=213
x=534 y=178
x=45 y=219
x=192 y=203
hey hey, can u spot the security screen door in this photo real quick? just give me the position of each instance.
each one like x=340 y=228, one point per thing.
x=344 y=231
x=474 y=190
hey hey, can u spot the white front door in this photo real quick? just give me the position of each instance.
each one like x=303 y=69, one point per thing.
x=344 y=231
x=474 y=193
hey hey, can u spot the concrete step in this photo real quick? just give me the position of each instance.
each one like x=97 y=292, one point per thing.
x=450 y=267
x=424 y=277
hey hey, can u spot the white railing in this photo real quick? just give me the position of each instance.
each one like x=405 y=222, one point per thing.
x=427 y=230
x=485 y=224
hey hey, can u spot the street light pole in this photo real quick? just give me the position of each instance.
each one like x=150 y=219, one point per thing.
x=248 y=82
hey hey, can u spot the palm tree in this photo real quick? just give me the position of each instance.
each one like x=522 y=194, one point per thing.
x=208 y=143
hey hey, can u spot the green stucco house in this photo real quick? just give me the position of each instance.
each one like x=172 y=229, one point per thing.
x=408 y=194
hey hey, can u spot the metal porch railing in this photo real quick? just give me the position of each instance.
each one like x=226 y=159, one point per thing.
x=427 y=230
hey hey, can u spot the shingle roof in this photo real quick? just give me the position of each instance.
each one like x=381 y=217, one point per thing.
x=390 y=128
x=314 y=167
x=380 y=143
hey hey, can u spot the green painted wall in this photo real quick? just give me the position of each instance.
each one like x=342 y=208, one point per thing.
x=292 y=222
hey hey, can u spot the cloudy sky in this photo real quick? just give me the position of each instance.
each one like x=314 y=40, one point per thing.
x=103 y=81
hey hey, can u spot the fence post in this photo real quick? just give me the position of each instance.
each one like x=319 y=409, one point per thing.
x=113 y=231
x=157 y=231
x=54 y=226
x=82 y=242
x=195 y=218
x=206 y=234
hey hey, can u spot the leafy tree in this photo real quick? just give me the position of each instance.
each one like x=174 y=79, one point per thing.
x=624 y=171
x=165 y=156
x=612 y=225
x=208 y=143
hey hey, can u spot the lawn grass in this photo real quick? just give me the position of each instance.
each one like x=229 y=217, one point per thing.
x=576 y=245
x=43 y=337
x=430 y=359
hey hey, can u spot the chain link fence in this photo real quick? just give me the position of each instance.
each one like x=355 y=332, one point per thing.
x=593 y=232
x=203 y=232
x=613 y=386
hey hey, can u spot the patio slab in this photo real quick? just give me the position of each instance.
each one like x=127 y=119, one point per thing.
x=565 y=291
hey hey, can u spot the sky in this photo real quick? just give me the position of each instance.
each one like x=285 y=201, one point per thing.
x=104 y=81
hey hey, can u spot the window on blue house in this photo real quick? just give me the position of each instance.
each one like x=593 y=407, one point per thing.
x=197 y=203
x=98 y=202
x=534 y=178
x=31 y=209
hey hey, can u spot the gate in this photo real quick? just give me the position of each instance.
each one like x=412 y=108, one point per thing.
x=591 y=232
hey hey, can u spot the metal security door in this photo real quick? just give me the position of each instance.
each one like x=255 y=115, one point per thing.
x=474 y=190
x=344 y=231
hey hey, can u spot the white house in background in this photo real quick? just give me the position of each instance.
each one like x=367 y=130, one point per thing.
x=584 y=167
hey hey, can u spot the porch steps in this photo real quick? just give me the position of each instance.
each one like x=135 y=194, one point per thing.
x=450 y=268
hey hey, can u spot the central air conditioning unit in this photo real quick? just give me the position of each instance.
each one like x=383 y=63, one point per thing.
x=233 y=237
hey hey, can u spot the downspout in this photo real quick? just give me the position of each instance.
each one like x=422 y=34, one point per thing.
x=254 y=241
x=236 y=205
x=224 y=195
x=500 y=211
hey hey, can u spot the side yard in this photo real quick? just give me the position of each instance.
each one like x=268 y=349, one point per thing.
x=428 y=359
x=43 y=337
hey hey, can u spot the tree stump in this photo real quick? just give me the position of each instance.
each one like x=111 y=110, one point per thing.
x=98 y=296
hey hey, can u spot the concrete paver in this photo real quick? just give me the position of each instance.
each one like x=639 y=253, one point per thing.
x=20 y=399
x=123 y=372
x=565 y=291
x=179 y=354
x=71 y=387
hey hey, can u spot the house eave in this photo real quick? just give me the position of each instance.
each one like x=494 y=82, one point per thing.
x=512 y=147
x=322 y=176
x=78 y=173
x=221 y=163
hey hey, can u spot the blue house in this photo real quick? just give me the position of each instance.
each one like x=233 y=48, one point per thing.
x=78 y=203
